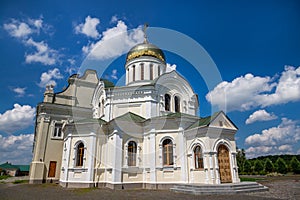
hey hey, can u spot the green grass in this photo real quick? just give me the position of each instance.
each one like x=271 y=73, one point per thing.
x=247 y=179
x=4 y=177
x=84 y=190
x=20 y=181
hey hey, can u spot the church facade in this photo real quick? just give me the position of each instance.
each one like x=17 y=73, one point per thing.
x=145 y=134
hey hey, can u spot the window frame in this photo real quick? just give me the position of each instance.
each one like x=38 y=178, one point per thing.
x=167 y=102
x=177 y=103
x=79 y=159
x=167 y=153
x=57 y=132
x=198 y=158
x=142 y=71
x=131 y=154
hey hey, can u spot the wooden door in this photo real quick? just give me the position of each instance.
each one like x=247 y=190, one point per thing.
x=52 y=169
x=224 y=164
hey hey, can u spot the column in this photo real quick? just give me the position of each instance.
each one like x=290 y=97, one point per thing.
x=182 y=151
x=217 y=168
x=206 y=167
x=152 y=156
x=91 y=159
x=117 y=161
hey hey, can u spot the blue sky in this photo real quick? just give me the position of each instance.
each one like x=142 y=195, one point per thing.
x=254 y=44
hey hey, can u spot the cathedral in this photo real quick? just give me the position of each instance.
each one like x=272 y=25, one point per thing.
x=145 y=134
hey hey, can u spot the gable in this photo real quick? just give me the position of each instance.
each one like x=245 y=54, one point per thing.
x=222 y=121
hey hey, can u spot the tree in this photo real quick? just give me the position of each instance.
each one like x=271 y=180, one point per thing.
x=269 y=167
x=247 y=167
x=258 y=167
x=281 y=166
x=241 y=158
x=295 y=165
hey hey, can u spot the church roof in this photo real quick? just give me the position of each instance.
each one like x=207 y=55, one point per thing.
x=145 y=49
x=129 y=116
x=91 y=120
x=205 y=121
x=176 y=115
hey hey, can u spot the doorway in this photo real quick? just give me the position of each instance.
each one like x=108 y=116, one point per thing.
x=224 y=164
x=52 y=169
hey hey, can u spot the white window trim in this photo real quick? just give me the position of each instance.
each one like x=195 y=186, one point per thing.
x=53 y=129
x=161 y=161
x=137 y=157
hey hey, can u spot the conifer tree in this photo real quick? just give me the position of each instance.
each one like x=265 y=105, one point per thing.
x=281 y=166
x=269 y=167
x=295 y=165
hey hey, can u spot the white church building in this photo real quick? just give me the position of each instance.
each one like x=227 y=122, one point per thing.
x=145 y=134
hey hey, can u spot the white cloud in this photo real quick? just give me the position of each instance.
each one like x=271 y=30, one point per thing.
x=16 y=149
x=275 y=140
x=260 y=115
x=114 y=19
x=22 y=29
x=17 y=29
x=248 y=92
x=48 y=78
x=20 y=91
x=114 y=42
x=89 y=28
x=19 y=118
x=170 y=67
x=287 y=90
x=114 y=74
x=43 y=54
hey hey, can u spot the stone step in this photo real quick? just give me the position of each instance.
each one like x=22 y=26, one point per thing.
x=219 y=189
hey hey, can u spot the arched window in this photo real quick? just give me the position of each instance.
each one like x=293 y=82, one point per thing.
x=198 y=157
x=142 y=71
x=102 y=108
x=168 y=152
x=177 y=103
x=133 y=73
x=151 y=71
x=158 y=69
x=80 y=154
x=131 y=153
x=167 y=102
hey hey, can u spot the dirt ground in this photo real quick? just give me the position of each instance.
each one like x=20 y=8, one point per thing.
x=286 y=187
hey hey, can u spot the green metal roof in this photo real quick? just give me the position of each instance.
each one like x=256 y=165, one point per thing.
x=175 y=115
x=130 y=117
x=91 y=120
x=10 y=166
x=205 y=121
x=24 y=168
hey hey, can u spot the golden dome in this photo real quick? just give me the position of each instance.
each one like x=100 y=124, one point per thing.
x=145 y=49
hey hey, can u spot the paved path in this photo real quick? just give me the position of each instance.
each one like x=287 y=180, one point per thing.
x=279 y=189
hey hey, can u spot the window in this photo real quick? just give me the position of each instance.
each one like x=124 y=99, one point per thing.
x=142 y=71
x=151 y=71
x=102 y=108
x=158 y=70
x=198 y=157
x=133 y=73
x=131 y=153
x=127 y=75
x=177 y=103
x=57 y=131
x=168 y=152
x=80 y=154
x=167 y=102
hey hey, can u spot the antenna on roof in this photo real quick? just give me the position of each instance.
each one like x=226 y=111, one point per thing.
x=145 y=35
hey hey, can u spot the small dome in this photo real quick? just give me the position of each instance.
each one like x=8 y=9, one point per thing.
x=145 y=49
